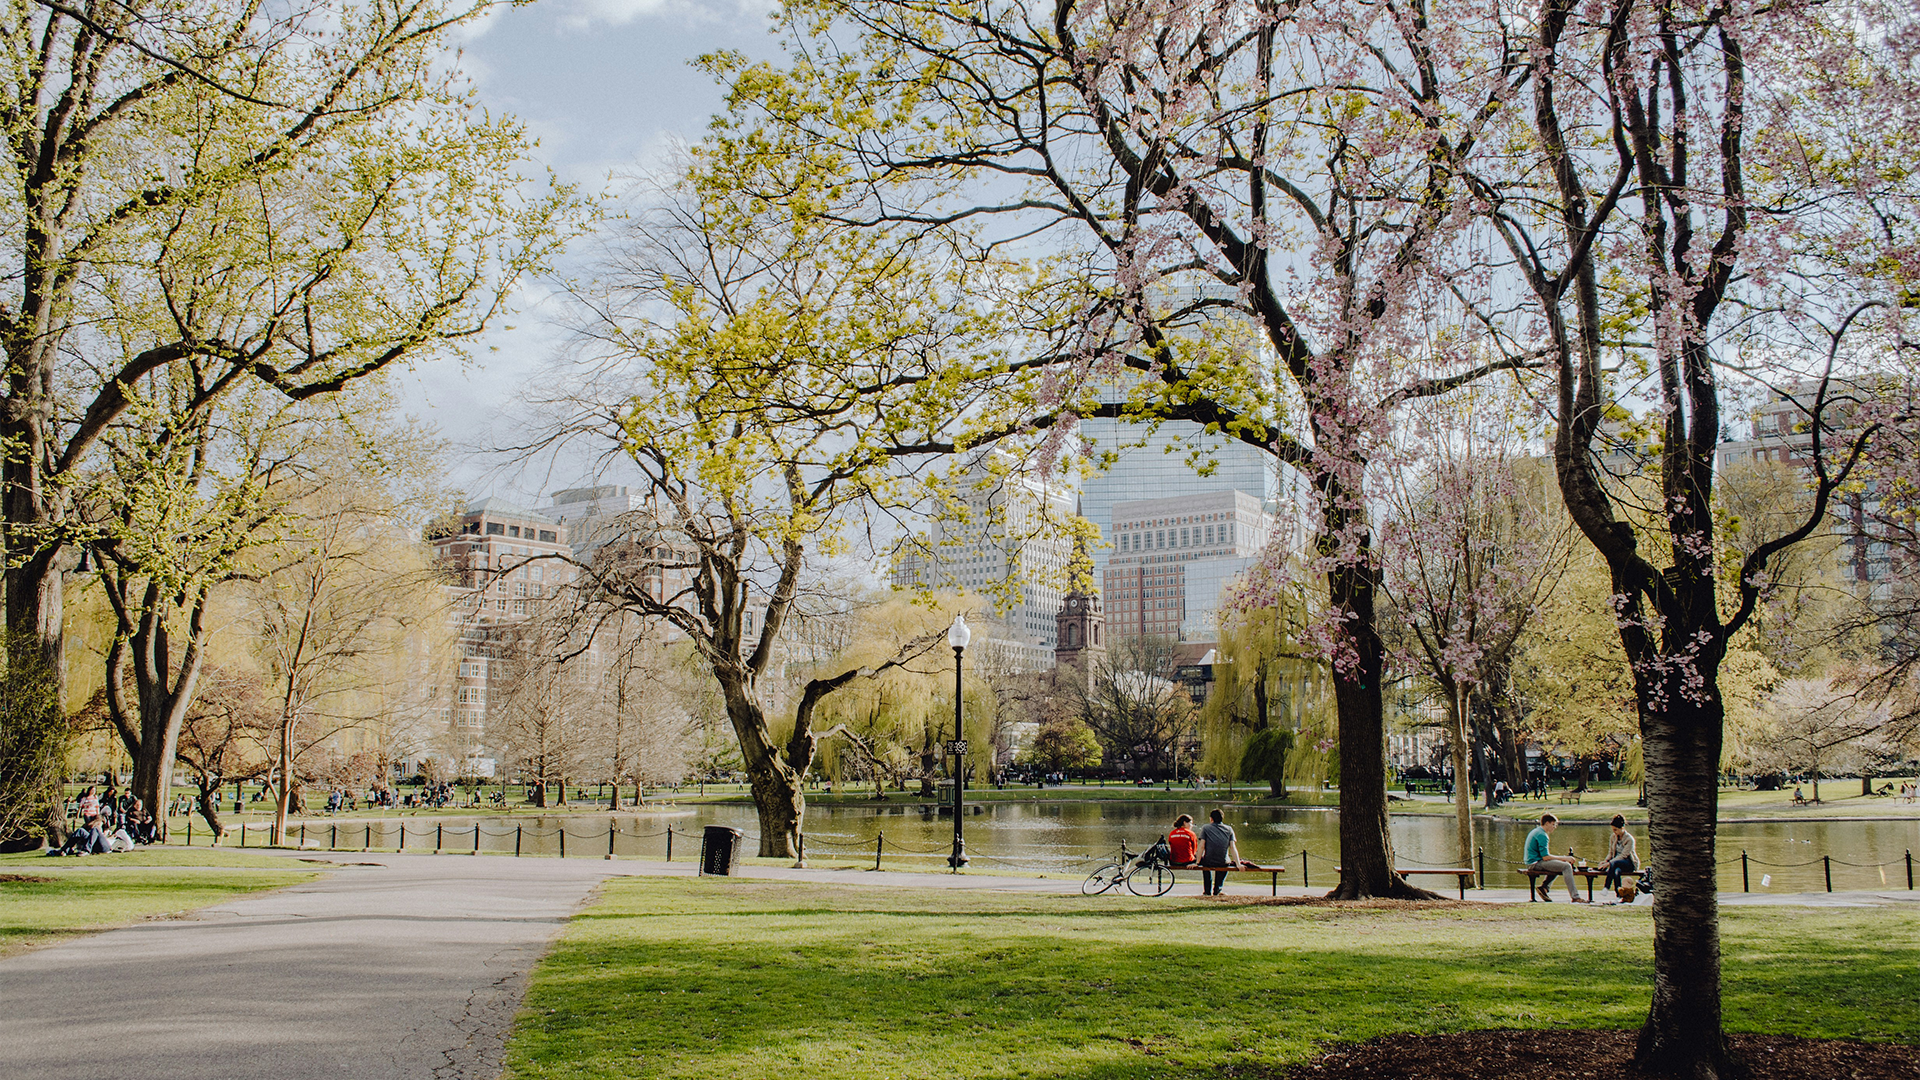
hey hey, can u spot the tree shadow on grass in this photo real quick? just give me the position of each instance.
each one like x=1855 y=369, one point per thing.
x=872 y=990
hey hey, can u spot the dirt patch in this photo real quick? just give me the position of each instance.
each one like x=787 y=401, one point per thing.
x=1557 y=1055
x=26 y=877
x=1376 y=904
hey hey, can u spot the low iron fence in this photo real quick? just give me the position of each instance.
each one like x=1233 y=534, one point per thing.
x=619 y=842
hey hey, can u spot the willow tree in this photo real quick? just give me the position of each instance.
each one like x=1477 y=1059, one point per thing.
x=1268 y=681
x=1249 y=216
x=294 y=197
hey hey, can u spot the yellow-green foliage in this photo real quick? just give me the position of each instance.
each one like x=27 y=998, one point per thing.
x=1260 y=643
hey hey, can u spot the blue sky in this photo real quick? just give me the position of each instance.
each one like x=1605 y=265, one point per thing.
x=606 y=88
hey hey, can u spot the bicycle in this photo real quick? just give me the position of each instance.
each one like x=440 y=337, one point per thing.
x=1146 y=874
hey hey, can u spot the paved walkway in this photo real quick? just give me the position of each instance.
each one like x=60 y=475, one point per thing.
x=393 y=966
x=411 y=967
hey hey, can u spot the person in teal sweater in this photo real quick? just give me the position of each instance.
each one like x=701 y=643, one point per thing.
x=1540 y=857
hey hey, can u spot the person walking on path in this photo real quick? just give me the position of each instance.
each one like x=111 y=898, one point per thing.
x=1218 y=851
x=1540 y=857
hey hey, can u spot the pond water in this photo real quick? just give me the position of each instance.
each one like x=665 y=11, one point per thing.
x=1071 y=837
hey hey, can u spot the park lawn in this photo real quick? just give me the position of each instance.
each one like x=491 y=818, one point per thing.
x=673 y=978
x=1840 y=799
x=155 y=855
x=102 y=895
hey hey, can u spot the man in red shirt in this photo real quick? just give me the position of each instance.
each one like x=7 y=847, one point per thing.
x=1183 y=842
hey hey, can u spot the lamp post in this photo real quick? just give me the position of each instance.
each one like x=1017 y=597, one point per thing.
x=958 y=636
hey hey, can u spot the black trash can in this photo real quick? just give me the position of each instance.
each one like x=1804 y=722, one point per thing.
x=719 y=850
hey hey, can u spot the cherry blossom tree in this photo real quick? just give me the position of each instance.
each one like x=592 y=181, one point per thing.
x=1246 y=216
x=1470 y=547
x=1692 y=193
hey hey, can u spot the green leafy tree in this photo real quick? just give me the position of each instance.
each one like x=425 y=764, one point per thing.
x=1266 y=677
x=33 y=746
x=222 y=195
x=1063 y=743
x=774 y=377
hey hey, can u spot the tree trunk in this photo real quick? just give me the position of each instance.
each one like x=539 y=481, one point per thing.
x=1366 y=847
x=160 y=741
x=1682 y=1035
x=210 y=808
x=282 y=798
x=1462 y=799
x=782 y=806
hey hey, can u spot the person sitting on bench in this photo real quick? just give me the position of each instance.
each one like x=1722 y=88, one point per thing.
x=1182 y=842
x=1540 y=858
x=1621 y=858
x=1221 y=852
x=1799 y=799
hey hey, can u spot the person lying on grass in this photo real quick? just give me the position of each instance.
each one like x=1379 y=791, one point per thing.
x=89 y=839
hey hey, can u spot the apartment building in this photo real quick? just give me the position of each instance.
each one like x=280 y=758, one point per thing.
x=502 y=561
x=1782 y=434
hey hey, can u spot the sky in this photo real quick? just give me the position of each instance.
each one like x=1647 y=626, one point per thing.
x=606 y=88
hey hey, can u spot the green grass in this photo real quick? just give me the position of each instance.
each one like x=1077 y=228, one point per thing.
x=703 y=978
x=105 y=891
x=1840 y=799
x=169 y=855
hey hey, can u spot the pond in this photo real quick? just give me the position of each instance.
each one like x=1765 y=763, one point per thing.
x=1072 y=836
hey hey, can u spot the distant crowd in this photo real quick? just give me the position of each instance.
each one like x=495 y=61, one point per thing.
x=109 y=822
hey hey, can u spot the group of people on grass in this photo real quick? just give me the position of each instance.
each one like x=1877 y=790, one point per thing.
x=1621 y=860
x=108 y=822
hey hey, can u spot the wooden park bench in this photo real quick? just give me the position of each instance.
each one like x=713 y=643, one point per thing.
x=1272 y=871
x=1591 y=872
x=1570 y=797
x=1465 y=875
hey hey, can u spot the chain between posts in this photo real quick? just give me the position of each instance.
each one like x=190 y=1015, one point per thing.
x=520 y=833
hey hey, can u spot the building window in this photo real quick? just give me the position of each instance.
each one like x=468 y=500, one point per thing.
x=494 y=528
x=549 y=536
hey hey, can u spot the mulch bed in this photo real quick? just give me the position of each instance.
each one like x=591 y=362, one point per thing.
x=26 y=877
x=1445 y=903
x=1605 y=1055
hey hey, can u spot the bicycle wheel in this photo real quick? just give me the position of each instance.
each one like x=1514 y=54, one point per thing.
x=1101 y=880
x=1150 y=881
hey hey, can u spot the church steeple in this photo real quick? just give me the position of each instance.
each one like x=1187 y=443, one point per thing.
x=1080 y=630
